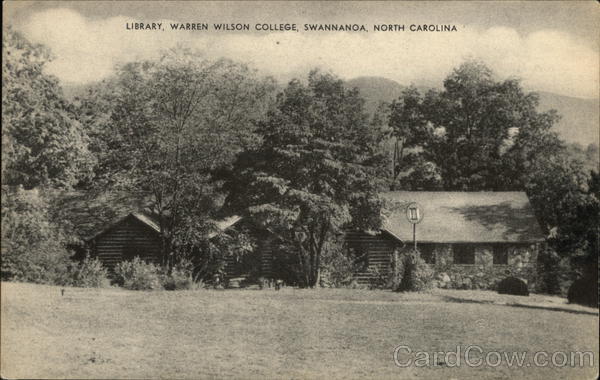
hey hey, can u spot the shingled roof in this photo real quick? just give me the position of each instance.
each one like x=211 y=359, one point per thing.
x=463 y=217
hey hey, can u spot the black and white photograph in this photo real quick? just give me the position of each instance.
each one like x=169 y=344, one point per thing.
x=300 y=190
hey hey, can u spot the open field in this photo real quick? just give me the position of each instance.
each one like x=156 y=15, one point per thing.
x=326 y=333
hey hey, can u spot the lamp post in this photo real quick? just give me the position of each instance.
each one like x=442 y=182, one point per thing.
x=414 y=215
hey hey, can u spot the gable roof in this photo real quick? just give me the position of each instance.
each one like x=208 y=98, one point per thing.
x=463 y=217
x=225 y=224
x=142 y=218
x=153 y=225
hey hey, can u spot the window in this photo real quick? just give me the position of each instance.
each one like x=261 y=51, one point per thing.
x=500 y=254
x=427 y=252
x=463 y=254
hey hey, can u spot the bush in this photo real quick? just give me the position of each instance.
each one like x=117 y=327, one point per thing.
x=231 y=247
x=33 y=247
x=378 y=279
x=180 y=277
x=584 y=291
x=514 y=286
x=89 y=273
x=413 y=273
x=554 y=272
x=337 y=269
x=138 y=275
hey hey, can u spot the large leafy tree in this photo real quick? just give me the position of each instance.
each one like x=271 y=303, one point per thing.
x=42 y=142
x=159 y=128
x=566 y=200
x=43 y=148
x=313 y=174
x=478 y=133
x=409 y=129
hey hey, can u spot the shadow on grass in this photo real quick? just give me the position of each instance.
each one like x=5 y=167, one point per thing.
x=514 y=304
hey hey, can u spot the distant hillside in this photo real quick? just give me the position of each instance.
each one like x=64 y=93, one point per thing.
x=580 y=121
x=376 y=90
x=580 y=117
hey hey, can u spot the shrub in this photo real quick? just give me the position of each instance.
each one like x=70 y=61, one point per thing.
x=415 y=274
x=138 y=275
x=231 y=247
x=554 y=272
x=337 y=269
x=89 y=273
x=180 y=277
x=584 y=291
x=514 y=286
x=378 y=279
x=33 y=246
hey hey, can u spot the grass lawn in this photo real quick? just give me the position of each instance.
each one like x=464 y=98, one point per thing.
x=292 y=333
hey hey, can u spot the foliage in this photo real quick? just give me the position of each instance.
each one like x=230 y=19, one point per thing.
x=589 y=156
x=512 y=285
x=89 y=273
x=43 y=148
x=42 y=142
x=584 y=291
x=551 y=272
x=138 y=275
x=476 y=134
x=286 y=266
x=567 y=202
x=408 y=125
x=414 y=273
x=378 y=279
x=312 y=174
x=161 y=127
x=180 y=277
x=33 y=248
x=211 y=259
x=338 y=268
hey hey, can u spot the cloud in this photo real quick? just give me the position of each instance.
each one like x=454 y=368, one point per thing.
x=87 y=50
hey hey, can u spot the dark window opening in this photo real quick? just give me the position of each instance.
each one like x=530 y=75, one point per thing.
x=131 y=251
x=427 y=252
x=463 y=254
x=500 y=256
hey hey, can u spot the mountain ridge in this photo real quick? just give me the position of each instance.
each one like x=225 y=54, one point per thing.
x=580 y=117
x=579 y=123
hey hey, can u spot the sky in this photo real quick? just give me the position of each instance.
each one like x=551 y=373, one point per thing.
x=550 y=46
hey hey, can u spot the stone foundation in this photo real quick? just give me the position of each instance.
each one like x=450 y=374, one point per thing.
x=484 y=274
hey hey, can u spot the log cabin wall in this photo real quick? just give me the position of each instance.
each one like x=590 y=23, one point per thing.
x=258 y=263
x=374 y=253
x=374 y=250
x=266 y=251
x=124 y=241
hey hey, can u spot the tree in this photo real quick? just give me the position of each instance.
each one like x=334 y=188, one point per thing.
x=43 y=148
x=33 y=248
x=476 y=134
x=42 y=142
x=164 y=126
x=313 y=174
x=409 y=129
